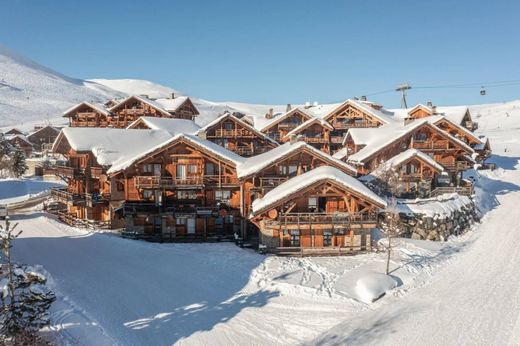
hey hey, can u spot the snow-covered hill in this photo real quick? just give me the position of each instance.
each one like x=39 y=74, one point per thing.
x=30 y=91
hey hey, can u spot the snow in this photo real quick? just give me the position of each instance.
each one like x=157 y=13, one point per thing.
x=173 y=126
x=112 y=146
x=398 y=159
x=308 y=123
x=254 y=164
x=372 y=286
x=309 y=178
x=19 y=190
x=440 y=207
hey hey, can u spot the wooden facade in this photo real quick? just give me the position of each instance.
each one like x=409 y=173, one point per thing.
x=43 y=138
x=314 y=132
x=281 y=126
x=21 y=142
x=238 y=136
x=324 y=216
x=123 y=113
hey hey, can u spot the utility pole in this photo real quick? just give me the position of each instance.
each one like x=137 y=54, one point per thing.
x=402 y=88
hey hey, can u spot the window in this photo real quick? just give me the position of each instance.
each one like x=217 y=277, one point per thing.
x=228 y=126
x=210 y=169
x=181 y=171
x=313 y=204
x=186 y=194
x=327 y=238
x=293 y=170
x=223 y=195
x=295 y=238
x=148 y=168
x=192 y=169
x=120 y=186
x=147 y=194
x=180 y=221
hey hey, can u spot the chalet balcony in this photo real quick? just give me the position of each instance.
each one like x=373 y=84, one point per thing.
x=415 y=176
x=456 y=166
x=288 y=126
x=271 y=182
x=74 y=221
x=158 y=182
x=222 y=133
x=461 y=190
x=244 y=151
x=64 y=196
x=67 y=171
x=324 y=220
x=315 y=140
x=134 y=111
x=223 y=180
x=343 y=125
x=336 y=139
x=92 y=199
x=431 y=145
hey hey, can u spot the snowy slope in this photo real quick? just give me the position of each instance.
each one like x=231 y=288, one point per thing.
x=30 y=91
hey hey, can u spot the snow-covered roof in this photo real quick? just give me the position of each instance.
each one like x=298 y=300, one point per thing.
x=96 y=106
x=378 y=138
x=150 y=102
x=308 y=123
x=285 y=115
x=21 y=137
x=453 y=113
x=172 y=125
x=399 y=159
x=111 y=146
x=57 y=130
x=436 y=119
x=299 y=183
x=198 y=142
x=172 y=105
x=255 y=164
x=238 y=120
x=363 y=106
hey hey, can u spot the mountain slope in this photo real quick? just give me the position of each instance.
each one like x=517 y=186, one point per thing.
x=30 y=91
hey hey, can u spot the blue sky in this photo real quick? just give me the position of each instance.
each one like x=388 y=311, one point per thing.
x=278 y=51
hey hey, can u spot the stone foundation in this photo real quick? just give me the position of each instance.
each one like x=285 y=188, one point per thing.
x=437 y=218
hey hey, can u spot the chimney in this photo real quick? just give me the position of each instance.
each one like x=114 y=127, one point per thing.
x=363 y=98
x=434 y=109
x=288 y=108
x=293 y=139
x=315 y=104
x=429 y=104
x=269 y=114
x=307 y=105
x=172 y=96
x=144 y=96
x=356 y=98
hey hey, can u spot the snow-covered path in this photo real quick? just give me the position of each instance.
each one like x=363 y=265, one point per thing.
x=475 y=299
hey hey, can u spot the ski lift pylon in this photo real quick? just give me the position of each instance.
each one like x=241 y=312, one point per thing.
x=482 y=91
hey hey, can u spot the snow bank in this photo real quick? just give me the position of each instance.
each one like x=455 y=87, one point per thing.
x=373 y=285
x=440 y=207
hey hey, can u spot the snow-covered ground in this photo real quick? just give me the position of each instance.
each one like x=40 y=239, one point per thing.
x=19 y=190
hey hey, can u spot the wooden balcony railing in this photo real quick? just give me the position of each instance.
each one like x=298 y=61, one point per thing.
x=336 y=139
x=338 y=219
x=65 y=171
x=442 y=144
x=456 y=166
x=95 y=172
x=155 y=182
x=215 y=180
x=315 y=140
x=96 y=198
x=64 y=196
x=346 y=125
x=244 y=151
x=233 y=133
x=271 y=182
x=288 y=126
x=415 y=176
x=461 y=190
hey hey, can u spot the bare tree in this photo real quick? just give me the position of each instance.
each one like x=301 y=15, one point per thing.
x=391 y=223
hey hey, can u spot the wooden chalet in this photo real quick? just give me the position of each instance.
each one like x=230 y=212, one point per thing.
x=323 y=211
x=459 y=115
x=91 y=195
x=414 y=173
x=352 y=114
x=262 y=173
x=123 y=113
x=88 y=114
x=14 y=131
x=43 y=138
x=367 y=148
x=315 y=132
x=280 y=126
x=21 y=142
x=237 y=135
x=185 y=188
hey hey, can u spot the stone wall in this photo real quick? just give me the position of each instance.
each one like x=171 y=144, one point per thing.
x=437 y=218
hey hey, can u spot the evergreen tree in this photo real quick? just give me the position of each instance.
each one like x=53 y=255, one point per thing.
x=18 y=164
